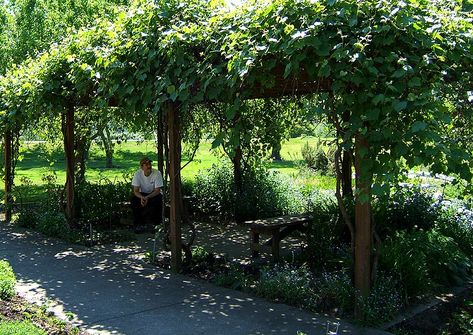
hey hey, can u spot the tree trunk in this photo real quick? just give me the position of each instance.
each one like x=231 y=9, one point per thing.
x=362 y=268
x=238 y=178
x=166 y=151
x=82 y=152
x=8 y=174
x=68 y=132
x=160 y=140
x=276 y=152
x=107 y=146
x=347 y=189
x=175 y=186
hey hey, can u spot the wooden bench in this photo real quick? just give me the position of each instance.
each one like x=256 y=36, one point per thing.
x=278 y=228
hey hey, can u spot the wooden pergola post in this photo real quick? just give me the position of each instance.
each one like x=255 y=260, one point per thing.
x=68 y=132
x=363 y=229
x=8 y=174
x=175 y=184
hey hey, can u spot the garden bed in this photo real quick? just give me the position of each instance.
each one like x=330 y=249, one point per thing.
x=448 y=314
x=18 y=309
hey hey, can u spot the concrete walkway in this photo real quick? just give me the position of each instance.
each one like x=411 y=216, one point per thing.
x=111 y=290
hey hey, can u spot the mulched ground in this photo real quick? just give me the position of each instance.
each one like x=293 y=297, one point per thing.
x=438 y=319
x=18 y=309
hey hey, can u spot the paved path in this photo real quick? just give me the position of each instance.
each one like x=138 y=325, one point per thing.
x=112 y=291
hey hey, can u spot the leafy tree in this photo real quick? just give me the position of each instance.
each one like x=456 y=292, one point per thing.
x=6 y=36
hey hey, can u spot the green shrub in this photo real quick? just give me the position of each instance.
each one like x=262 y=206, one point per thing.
x=47 y=216
x=408 y=208
x=27 y=217
x=264 y=194
x=19 y=328
x=46 y=220
x=187 y=187
x=98 y=203
x=404 y=255
x=267 y=194
x=287 y=283
x=383 y=303
x=101 y=202
x=325 y=230
x=200 y=254
x=7 y=281
x=456 y=222
x=422 y=259
x=53 y=223
x=52 y=198
x=447 y=265
x=315 y=158
x=214 y=191
x=234 y=277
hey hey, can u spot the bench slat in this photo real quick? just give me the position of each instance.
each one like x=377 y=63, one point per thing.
x=280 y=220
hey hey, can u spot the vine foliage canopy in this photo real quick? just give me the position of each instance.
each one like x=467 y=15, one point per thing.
x=388 y=63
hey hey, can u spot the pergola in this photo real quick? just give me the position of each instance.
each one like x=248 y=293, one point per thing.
x=166 y=57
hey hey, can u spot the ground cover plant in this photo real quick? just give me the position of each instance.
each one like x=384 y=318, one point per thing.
x=20 y=328
x=461 y=321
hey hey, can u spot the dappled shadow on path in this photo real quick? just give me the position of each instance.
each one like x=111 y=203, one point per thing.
x=112 y=291
x=233 y=240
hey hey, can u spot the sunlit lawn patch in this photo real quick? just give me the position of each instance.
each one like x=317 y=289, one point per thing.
x=39 y=159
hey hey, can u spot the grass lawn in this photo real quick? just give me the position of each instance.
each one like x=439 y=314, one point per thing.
x=20 y=328
x=39 y=159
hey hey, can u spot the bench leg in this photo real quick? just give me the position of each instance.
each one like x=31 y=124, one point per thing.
x=275 y=246
x=254 y=244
